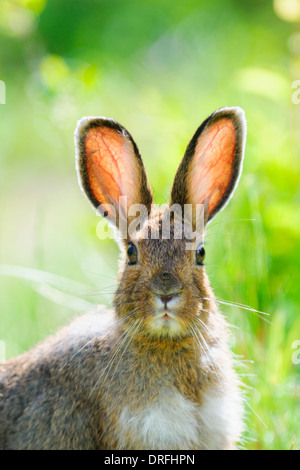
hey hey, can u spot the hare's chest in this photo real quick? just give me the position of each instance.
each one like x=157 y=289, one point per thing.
x=170 y=422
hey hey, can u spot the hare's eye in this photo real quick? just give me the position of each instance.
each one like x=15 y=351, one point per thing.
x=200 y=255
x=132 y=253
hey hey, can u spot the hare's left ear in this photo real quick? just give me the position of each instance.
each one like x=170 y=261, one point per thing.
x=110 y=168
x=212 y=163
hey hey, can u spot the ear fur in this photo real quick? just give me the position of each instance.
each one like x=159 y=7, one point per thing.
x=212 y=164
x=109 y=166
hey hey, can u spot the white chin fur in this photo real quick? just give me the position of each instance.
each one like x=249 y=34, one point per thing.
x=162 y=326
x=169 y=325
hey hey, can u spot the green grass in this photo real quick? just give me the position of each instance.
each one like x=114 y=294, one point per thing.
x=160 y=83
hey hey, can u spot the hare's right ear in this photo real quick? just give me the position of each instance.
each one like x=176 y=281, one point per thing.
x=109 y=166
x=212 y=163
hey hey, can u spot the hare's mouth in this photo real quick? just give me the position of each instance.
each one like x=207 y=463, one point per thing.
x=166 y=324
x=165 y=318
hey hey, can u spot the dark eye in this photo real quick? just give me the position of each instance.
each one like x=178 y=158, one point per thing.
x=132 y=253
x=200 y=255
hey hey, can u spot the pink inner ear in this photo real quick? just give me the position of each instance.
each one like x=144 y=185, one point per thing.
x=212 y=166
x=109 y=165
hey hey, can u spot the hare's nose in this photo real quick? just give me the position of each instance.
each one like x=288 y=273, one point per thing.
x=165 y=299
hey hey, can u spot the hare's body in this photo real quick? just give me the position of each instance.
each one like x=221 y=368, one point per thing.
x=55 y=397
x=156 y=371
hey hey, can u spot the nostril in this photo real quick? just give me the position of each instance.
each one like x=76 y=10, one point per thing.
x=165 y=275
x=166 y=298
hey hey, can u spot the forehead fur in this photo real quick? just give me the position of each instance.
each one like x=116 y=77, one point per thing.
x=164 y=236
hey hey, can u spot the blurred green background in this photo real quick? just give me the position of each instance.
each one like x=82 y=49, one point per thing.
x=159 y=67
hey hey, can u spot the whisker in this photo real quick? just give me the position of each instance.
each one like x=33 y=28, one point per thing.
x=213 y=359
x=137 y=323
x=124 y=336
x=111 y=409
x=205 y=352
x=221 y=343
x=121 y=341
x=118 y=322
x=258 y=313
x=253 y=411
x=112 y=290
x=209 y=330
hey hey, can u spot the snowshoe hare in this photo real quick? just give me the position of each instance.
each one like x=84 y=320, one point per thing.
x=155 y=372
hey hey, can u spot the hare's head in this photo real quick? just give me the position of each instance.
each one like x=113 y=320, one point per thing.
x=163 y=283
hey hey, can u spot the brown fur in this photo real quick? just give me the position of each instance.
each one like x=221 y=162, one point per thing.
x=69 y=391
